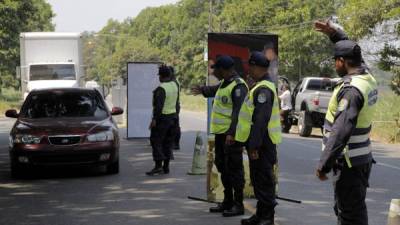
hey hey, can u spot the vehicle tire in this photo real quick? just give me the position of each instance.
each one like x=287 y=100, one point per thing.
x=16 y=170
x=113 y=168
x=286 y=121
x=303 y=124
x=286 y=128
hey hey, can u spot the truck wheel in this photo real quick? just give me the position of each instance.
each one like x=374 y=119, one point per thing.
x=113 y=168
x=286 y=128
x=303 y=124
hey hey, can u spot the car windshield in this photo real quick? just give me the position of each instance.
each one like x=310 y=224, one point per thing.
x=321 y=85
x=64 y=104
x=52 y=72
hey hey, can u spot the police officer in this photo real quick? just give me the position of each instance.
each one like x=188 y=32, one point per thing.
x=229 y=96
x=259 y=128
x=177 y=139
x=165 y=101
x=346 y=144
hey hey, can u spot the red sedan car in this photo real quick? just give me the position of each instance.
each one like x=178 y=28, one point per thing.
x=64 y=127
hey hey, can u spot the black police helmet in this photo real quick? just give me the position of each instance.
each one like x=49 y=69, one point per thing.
x=223 y=62
x=164 y=71
x=347 y=49
x=258 y=59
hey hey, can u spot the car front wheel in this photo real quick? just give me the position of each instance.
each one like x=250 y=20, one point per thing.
x=16 y=170
x=113 y=168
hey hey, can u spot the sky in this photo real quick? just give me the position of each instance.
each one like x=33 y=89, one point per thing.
x=92 y=15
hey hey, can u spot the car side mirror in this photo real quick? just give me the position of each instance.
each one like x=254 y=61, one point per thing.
x=116 y=111
x=12 y=113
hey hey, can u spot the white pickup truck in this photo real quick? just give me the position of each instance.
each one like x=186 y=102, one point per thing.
x=310 y=99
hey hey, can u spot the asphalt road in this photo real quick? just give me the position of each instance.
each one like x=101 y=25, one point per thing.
x=81 y=196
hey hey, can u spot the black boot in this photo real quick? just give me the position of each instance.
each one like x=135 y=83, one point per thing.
x=267 y=218
x=156 y=170
x=266 y=222
x=220 y=208
x=253 y=220
x=166 y=166
x=236 y=210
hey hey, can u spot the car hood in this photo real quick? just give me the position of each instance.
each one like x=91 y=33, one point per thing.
x=60 y=126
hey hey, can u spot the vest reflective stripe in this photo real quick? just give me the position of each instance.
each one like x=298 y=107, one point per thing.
x=358 y=138
x=222 y=108
x=246 y=116
x=222 y=111
x=171 y=97
x=358 y=149
x=217 y=121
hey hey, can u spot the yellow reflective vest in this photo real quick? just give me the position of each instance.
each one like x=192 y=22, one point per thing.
x=246 y=116
x=222 y=107
x=358 y=148
x=171 y=97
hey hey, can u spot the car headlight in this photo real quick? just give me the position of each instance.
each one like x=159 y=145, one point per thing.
x=101 y=136
x=26 y=139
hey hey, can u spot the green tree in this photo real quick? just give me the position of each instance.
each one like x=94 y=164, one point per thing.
x=17 y=17
x=302 y=51
x=361 y=16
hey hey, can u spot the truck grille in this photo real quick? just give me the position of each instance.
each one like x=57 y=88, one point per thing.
x=65 y=159
x=65 y=140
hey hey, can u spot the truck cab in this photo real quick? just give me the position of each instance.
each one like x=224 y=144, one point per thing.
x=50 y=60
x=44 y=75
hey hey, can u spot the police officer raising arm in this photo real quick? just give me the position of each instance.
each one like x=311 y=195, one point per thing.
x=259 y=128
x=229 y=96
x=346 y=144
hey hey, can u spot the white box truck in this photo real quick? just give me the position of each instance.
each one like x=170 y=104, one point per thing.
x=50 y=60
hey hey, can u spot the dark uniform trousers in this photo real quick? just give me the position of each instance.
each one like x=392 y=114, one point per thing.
x=229 y=162
x=177 y=131
x=263 y=180
x=350 y=192
x=162 y=137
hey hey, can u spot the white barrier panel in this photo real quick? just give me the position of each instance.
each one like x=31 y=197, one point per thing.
x=142 y=79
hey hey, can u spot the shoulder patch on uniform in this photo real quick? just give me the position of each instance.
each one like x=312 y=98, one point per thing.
x=224 y=99
x=238 y=92
x=262 y=97
x=343 y=104
x=347 y=81
x=373 y=97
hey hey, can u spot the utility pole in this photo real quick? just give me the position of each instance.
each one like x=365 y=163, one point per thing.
x=210 y=14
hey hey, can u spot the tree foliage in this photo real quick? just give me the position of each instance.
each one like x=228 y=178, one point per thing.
x=178 y=33
x=361 y=16
x=17 y=17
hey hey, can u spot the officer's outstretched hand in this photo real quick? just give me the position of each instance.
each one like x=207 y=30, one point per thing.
x=321 y=175
x=196 y=90
x=152 y=124
x=324 y=27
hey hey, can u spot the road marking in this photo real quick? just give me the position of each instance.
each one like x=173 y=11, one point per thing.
x=388 y=165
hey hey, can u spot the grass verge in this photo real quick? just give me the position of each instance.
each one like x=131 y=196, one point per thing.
x=9 y=99
x=193 y=103
x=384 y=127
